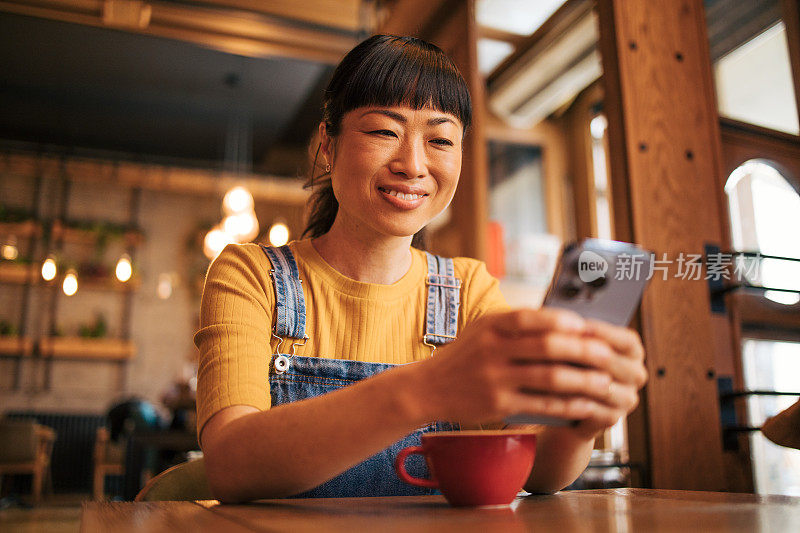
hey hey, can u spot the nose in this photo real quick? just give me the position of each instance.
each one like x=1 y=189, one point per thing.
x=410 y=159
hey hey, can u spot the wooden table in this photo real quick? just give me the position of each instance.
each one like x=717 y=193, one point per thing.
x=609 y=510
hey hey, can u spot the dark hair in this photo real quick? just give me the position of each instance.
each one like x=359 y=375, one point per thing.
x=384 y=70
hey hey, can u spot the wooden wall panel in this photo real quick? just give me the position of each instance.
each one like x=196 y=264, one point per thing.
x=658 y=50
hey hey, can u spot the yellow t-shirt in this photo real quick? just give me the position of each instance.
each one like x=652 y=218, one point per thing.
x=345 y=319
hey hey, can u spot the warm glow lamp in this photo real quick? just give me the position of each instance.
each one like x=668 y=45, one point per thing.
x=215 y=241
x=242 y=227
x=124 y=269
x=70 y=285
x=278 y=234
x=237 y=200
x=49 y=269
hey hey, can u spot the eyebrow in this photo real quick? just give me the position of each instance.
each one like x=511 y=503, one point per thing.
x=400 y=118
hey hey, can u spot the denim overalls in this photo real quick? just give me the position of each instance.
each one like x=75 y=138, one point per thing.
x=294 y=378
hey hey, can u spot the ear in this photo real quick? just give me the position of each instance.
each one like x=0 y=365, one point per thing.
x=326 y=145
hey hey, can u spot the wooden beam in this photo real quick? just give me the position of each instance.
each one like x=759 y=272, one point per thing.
x=658 y=51
x=410 y=17
x=487 y=32
x=341 y=14
x=152 y=177
x=239 y=33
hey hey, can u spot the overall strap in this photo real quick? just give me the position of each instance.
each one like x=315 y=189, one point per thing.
x=444 y=297
x=290 y=304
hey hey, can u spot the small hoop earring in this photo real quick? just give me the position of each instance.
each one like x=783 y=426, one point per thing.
x=327 y=168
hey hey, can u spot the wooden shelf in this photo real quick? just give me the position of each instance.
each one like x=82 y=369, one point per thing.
x=89 y=237
x=87 y=348
x=17 y=273
x=21 y=230
x=108 y=284
x=14 y=345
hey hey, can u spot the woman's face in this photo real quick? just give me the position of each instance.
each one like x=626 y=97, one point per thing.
x=394 y=168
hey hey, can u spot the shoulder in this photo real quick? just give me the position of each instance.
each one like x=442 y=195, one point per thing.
x=240 y=260
x=240 y=270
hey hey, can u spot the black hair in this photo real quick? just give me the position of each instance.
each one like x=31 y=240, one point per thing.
x=384 y=70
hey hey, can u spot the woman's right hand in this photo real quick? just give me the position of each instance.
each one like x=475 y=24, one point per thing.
x=527 y=361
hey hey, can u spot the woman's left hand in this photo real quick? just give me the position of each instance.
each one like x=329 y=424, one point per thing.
x=628 y=375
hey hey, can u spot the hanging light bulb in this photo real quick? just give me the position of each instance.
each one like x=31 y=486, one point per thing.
x=10 y=251
x=49 y=269
x=237 y=200
x=215 y=241
x=242 y=227
x=70 y=285
x=279 y=234
x=124 y=269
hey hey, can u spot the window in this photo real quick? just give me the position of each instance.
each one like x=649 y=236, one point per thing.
x=764 y=214
x=771 y=366
x=754 y=82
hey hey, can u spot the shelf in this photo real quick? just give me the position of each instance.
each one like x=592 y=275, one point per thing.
x=13 y=345
x=17 y=273
x=21 y=230
x=107 y=284
x=87 y=348
x=89 y=237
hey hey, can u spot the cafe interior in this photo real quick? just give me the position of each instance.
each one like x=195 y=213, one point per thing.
x=139 y=137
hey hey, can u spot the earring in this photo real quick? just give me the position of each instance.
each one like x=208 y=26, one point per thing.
x=327 y=168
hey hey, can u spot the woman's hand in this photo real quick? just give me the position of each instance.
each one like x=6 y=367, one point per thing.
x=539 y=362
x=627 y=371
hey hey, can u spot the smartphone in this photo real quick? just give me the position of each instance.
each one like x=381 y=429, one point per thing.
x=598 y=279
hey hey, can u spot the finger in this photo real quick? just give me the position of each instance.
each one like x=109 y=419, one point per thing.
x=560 y=380
x=627 y=371
x=623 y=340
x=620 y=396
x=527 y=321
x=550 y=405
x=556 y=347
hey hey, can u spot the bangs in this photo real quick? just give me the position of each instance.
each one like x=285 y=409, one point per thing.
x=405 y=71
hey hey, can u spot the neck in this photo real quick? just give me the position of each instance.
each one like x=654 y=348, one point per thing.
x=377 y=259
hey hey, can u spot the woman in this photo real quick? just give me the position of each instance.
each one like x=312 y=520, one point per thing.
x=355 y=302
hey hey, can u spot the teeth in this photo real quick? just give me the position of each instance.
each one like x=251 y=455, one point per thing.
x=403 y=196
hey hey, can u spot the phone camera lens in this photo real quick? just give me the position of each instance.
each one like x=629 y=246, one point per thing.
x=571 y=289
x=597 y=283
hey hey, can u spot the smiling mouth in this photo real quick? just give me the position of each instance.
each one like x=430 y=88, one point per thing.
x=401 y=195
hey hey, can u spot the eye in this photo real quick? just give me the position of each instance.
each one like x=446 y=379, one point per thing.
x=385 y=133
x=442 y=142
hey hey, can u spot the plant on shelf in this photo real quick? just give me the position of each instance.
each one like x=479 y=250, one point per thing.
x=14 y=214
x=7 y=329
x=96 y=330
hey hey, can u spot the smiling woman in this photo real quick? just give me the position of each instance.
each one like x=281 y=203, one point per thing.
x=345 y=311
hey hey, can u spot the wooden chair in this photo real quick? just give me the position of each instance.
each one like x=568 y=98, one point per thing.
x=109 y=459
x=26 y=448
x=184 y=482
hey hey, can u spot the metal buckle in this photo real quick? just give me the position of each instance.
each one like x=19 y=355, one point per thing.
x=282 y=362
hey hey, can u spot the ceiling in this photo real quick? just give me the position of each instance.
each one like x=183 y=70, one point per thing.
x=85 y=87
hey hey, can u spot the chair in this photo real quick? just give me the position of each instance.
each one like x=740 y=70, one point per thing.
x=184 y=482
x=109 y=459
x=26 y=448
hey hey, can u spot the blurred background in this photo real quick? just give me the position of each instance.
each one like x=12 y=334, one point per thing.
x=139 y=137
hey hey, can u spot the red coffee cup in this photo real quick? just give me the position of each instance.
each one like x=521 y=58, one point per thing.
x=473 y=468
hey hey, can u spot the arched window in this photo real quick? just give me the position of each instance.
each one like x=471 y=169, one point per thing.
x=765 y=217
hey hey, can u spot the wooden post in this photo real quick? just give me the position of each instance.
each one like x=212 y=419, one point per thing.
x=451 y=26
x=665 y=151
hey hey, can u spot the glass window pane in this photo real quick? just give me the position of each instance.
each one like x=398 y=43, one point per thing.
x=765 y=212
x=772 y=366
x=754 y=82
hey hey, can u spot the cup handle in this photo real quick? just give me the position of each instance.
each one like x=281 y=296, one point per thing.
x=400 y=468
